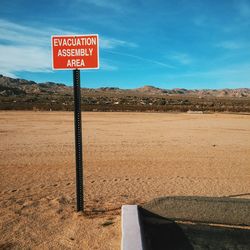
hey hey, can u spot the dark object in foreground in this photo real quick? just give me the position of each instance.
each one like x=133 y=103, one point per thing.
x=165 y=228
x=78 y=140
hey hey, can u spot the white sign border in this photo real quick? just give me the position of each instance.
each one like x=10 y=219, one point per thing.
x=98 y=58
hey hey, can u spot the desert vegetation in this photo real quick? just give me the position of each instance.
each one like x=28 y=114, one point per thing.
x=19 y=94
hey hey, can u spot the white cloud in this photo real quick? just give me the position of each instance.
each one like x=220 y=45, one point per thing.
x=144 y=59
x=200 y=20
x=25 y=35
x=25 y=48
x=23 y=58
x=234 y=73
x=243 y=7
x=181 y=58
x=230 y=45
x=113 y=43
x=108 y=67
x=108 y=4
x=10 y=74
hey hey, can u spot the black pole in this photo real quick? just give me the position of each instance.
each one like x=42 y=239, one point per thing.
x=78 y=140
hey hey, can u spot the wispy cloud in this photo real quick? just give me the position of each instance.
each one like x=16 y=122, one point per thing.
x=114 y=5
x=181 y=58
x=25 y=48
x=200 y=20
x=112 y=43
x=23 y=58
x=243 y=7
x=218 y=72
x=107 y=66
x=144 y=59
x=234 y=73
x=106 y=4
x=26 y=35
x=19 y=34
x=232 y=45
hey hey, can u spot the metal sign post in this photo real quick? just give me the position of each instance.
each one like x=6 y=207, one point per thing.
x=78 y=140
x=76 y=52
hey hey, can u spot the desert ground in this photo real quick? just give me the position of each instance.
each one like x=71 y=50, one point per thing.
x=129 y=158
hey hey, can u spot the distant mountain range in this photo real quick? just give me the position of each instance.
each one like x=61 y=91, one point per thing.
x=20 y=87
x=20 y=94
x=240 y=92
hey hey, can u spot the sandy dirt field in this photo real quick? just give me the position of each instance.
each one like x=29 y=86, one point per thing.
x=129 y=158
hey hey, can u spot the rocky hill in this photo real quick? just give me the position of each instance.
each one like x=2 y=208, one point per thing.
x=24 y=94
x=10 y=86
x=240 y=92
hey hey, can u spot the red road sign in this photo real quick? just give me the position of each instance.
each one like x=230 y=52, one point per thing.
x=75 y=52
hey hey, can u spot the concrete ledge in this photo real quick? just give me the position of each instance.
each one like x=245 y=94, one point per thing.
x=131 y=230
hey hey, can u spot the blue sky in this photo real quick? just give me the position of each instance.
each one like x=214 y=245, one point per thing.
x=190 y=44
